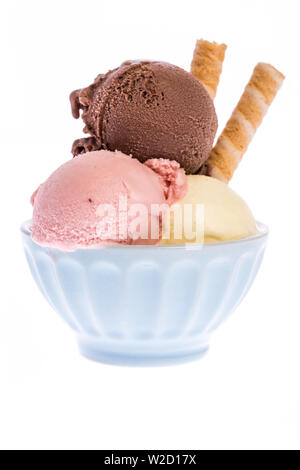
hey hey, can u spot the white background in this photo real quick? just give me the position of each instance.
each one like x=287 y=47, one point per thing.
x=246 y=392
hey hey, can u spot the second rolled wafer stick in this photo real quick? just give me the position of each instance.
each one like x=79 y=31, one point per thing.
x=245 y=119
x=207 y=64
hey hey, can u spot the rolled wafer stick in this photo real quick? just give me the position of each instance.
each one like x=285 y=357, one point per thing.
x=207 y=64
x=245 y=119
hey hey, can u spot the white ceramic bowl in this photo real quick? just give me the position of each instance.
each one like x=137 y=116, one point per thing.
x=146 y=305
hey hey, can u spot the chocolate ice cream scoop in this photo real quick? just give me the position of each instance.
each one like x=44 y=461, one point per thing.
x=147 y=110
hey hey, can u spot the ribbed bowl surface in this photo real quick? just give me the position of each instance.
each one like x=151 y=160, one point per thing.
x=145 y=305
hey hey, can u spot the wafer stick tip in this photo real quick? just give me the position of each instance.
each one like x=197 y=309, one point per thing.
x=207 y=64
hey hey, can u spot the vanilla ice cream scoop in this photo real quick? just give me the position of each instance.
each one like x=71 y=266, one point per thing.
x=224 y=215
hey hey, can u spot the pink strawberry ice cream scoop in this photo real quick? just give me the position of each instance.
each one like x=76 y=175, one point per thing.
x=105 y=197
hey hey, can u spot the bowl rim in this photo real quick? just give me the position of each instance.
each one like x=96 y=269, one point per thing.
x=262 y=232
